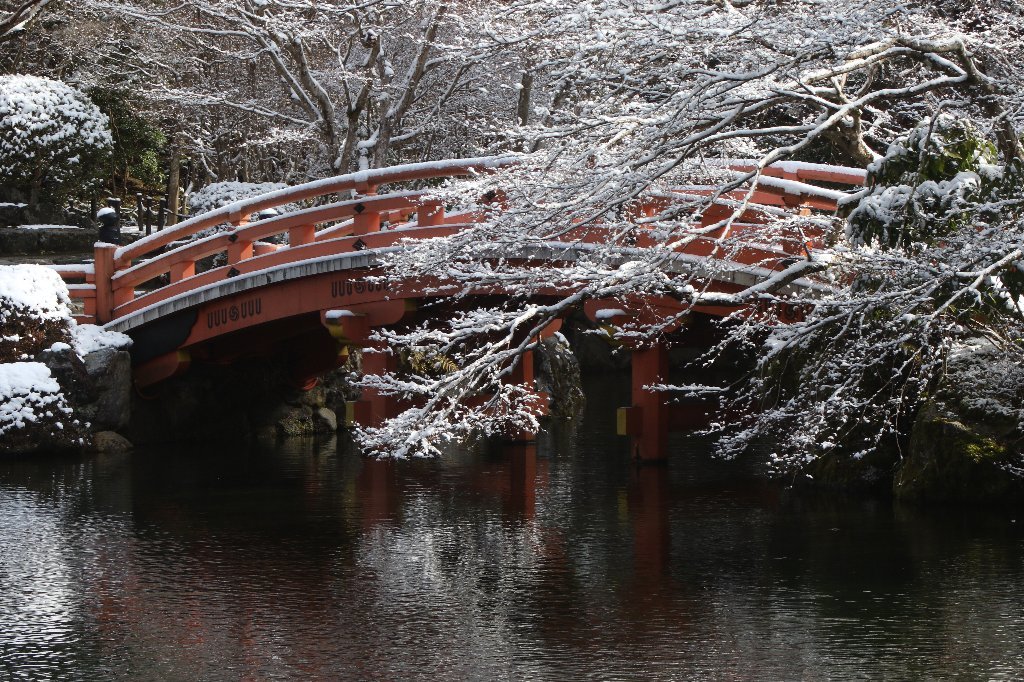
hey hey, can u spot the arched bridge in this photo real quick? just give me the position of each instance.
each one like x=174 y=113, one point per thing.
x=319 y=292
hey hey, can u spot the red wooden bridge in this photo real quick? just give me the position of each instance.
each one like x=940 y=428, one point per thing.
x=321 y=292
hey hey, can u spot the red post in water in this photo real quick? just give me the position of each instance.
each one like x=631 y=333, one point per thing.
x=377 y=360
x=522 y=459
x=523 y=375
x=649 y=438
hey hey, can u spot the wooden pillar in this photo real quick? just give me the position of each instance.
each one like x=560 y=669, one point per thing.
x=523 y=374
x=376 y=360
x=302 y=234
x=431 y=214
x=103 y=255
x=365 y=220
x=649 y=438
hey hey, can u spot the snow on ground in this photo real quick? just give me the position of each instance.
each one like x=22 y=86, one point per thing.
x=49 y=227
x=27 y=395
x=35 y=287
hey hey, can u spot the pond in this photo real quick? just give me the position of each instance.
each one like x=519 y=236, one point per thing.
x=560 y=561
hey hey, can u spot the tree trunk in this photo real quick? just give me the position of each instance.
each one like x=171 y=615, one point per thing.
x=523 y=106
x=173 y=184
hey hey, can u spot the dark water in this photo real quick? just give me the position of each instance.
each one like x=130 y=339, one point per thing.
x=306 y=562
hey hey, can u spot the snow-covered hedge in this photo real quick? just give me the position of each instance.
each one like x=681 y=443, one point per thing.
x=42 y=403
x=30 y=401
x=35 y=311
x=53 y=139
x=35 y=315
x=223 y=193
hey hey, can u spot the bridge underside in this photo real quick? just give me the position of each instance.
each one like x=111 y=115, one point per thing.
x=312 y=323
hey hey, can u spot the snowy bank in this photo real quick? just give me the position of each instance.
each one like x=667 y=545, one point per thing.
x=33 y=410
x=57 y=378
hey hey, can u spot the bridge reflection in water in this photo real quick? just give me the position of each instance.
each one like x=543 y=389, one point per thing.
x=555 y=561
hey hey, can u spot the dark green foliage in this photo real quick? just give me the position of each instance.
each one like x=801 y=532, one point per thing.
x=138 y=144
x=932 y=182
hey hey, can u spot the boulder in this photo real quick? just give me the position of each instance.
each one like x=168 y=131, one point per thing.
x=70 y=372
x=109 y=442
x=110 y=373
x=964 y=445
x=558 y=374
x=294 y=421
x=954 y=457
x=326 y=421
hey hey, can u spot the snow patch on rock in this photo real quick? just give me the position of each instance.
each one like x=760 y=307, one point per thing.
x=89 y=338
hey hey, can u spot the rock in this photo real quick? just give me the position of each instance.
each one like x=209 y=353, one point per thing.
x=109 y=442
x=326 y=420
x=339 y=389
x=558 y=374
x=314 y=397
x=71 y=373
x=110 y=372
x=294 y=421
x=955 y=458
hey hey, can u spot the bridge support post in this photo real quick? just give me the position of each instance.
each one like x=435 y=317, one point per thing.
x=103 y=259
x=377 y=360
x=647 y=420
x=523 y=375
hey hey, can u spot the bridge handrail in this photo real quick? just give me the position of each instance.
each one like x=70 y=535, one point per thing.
x=361 y=180
x=781 y=187
x=261 y=229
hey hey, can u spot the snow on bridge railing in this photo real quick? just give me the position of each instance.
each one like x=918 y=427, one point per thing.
x=363 y=181
x=109 y=289
x=116 y=277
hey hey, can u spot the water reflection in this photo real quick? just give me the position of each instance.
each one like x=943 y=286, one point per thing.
x=555 y=560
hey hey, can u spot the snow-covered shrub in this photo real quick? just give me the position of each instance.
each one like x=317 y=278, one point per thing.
x=35 y=311
x=219 y=194
x=33 y=410
x=53 y=139
x=929 y=183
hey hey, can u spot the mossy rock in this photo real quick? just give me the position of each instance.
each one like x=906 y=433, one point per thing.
x=838 y=469
x=953 y=459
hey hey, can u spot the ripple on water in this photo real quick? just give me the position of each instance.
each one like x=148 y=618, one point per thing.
x=307 y=562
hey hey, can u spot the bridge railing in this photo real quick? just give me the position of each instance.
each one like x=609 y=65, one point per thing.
x=108 y=289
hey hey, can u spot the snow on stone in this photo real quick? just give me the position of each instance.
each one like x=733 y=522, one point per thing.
x=338 y=314
x=35 y=287
x=49 y=227
x=106 y=210
x=28 y=393
x=89 y=338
